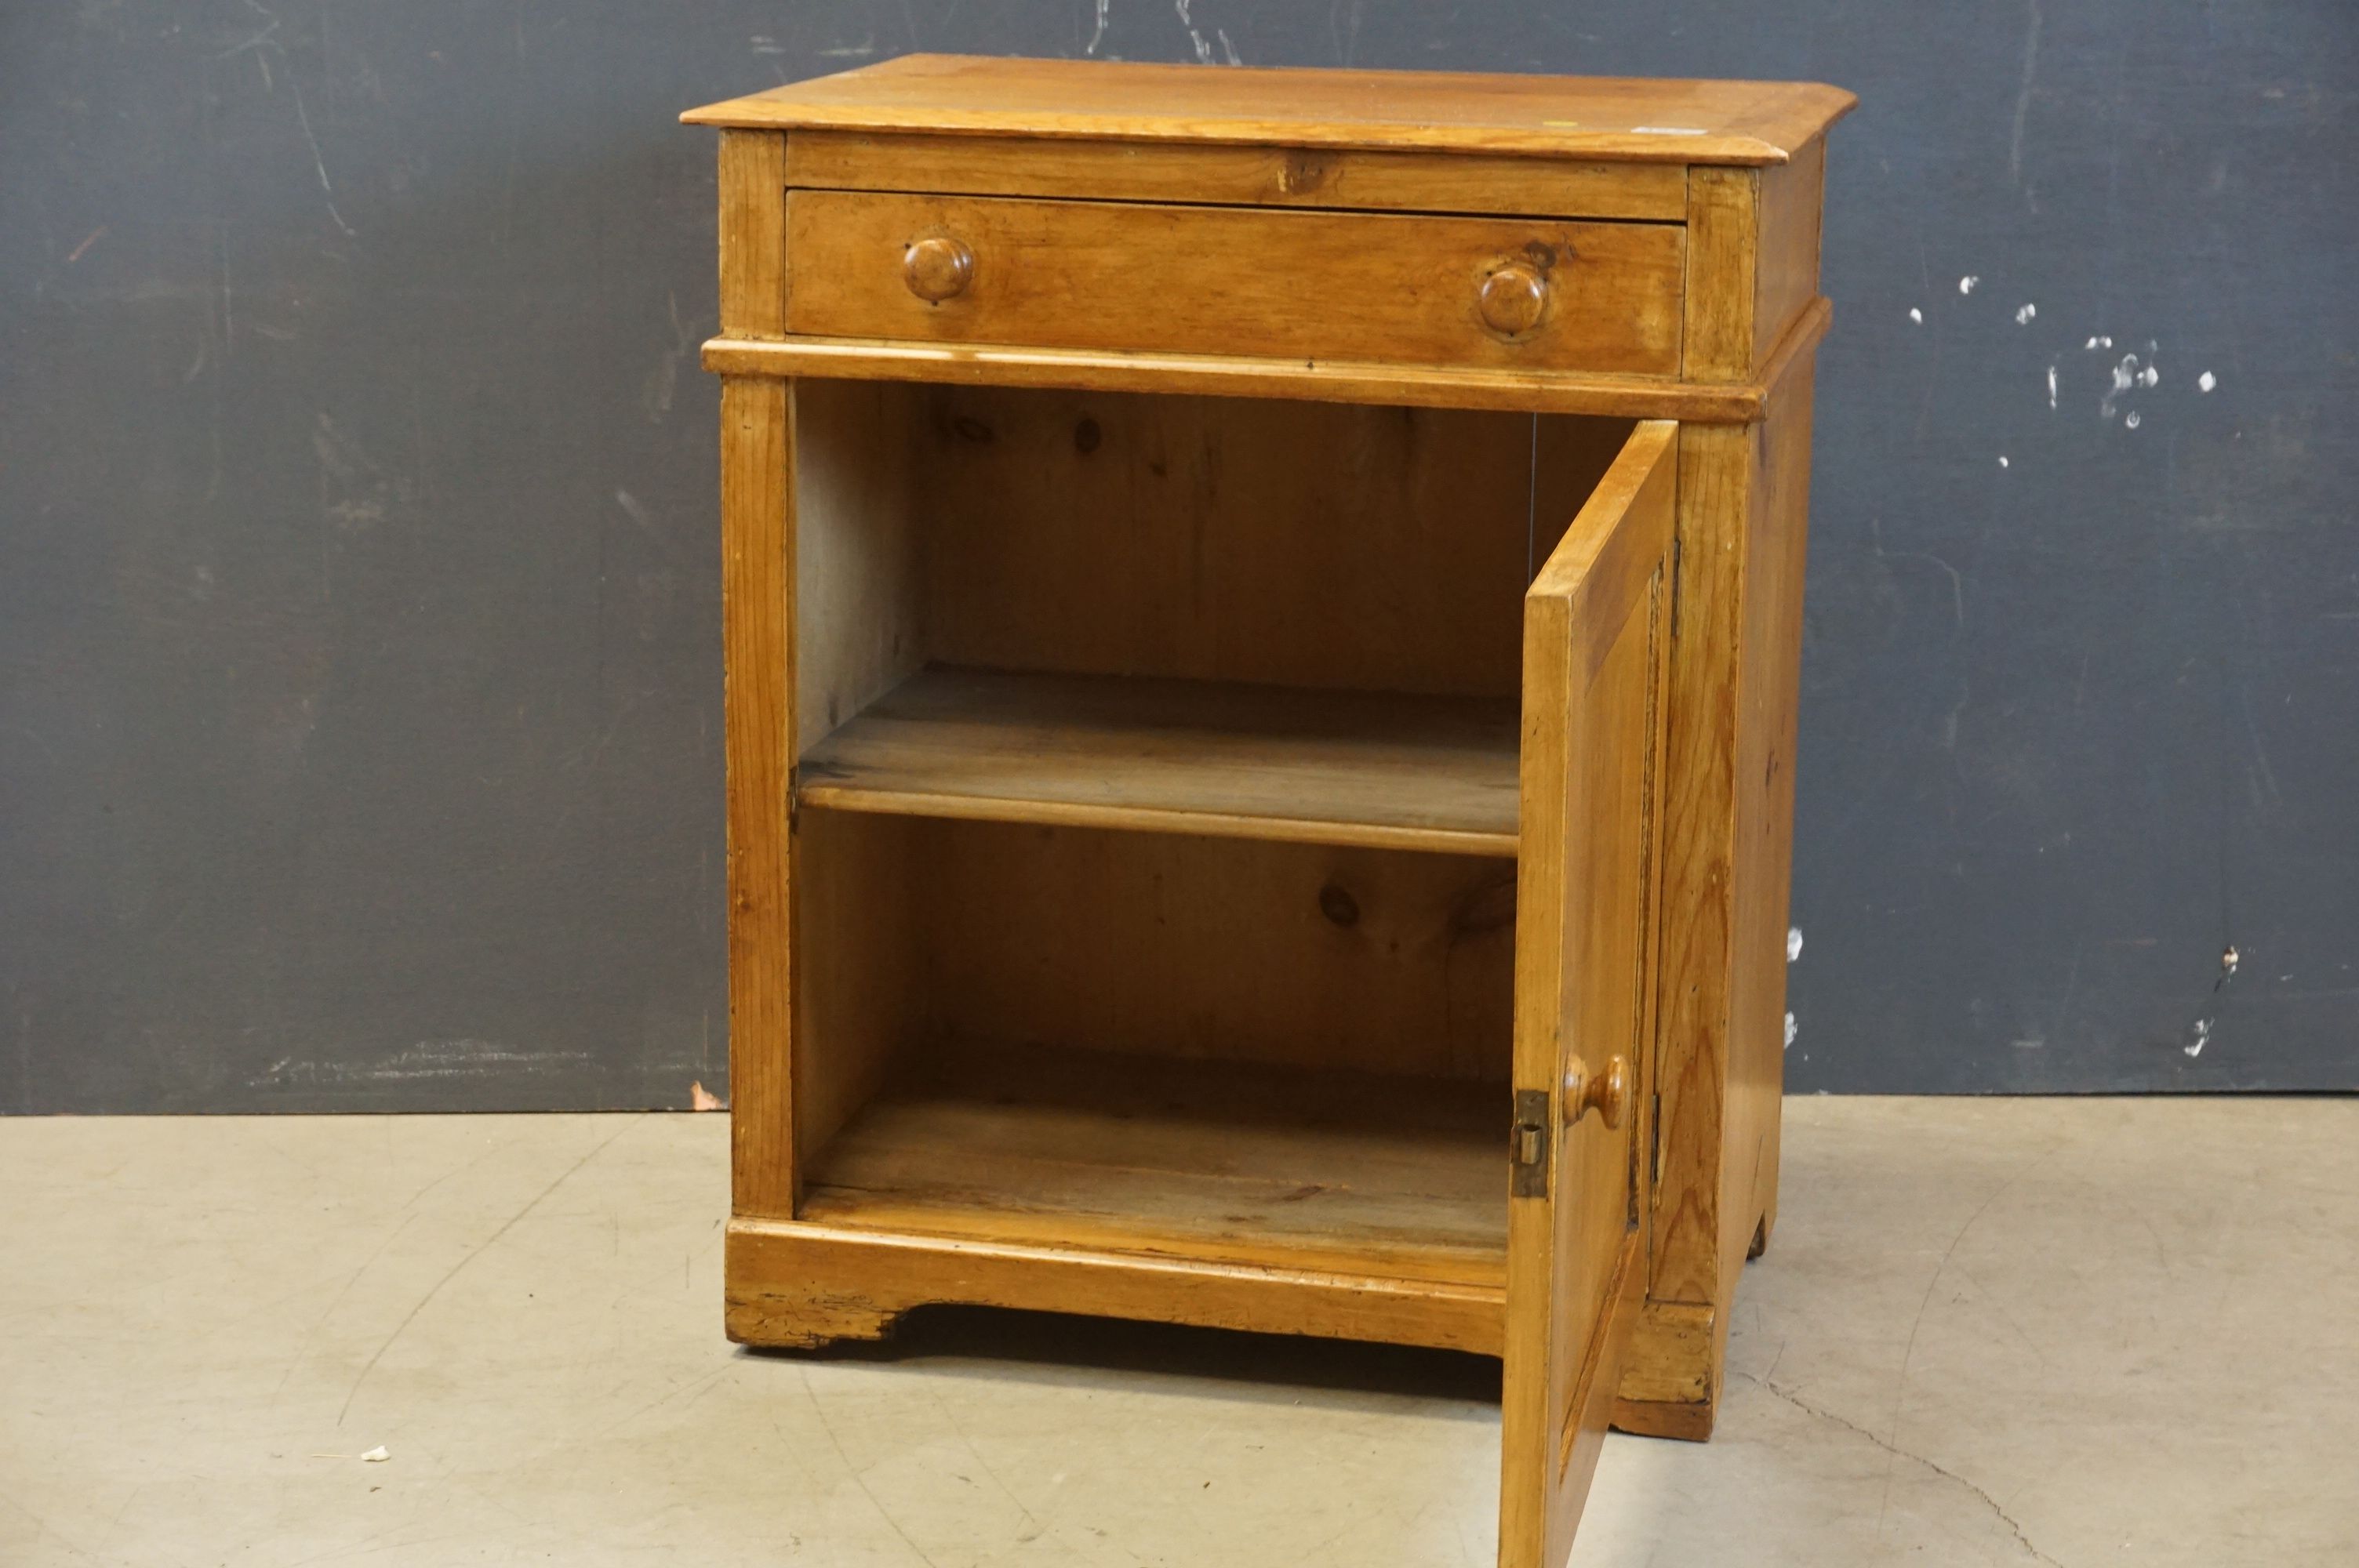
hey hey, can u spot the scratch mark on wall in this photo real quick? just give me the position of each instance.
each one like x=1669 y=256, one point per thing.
x=429 y=1059
x=662 y=382
x=318 y=162
x=637 y=513
x=1099 y=36
x=2208 y=1021
x=1203 y=45
x=2023 y=96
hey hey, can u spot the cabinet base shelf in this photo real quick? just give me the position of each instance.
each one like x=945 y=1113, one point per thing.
x=1225 y=1194
x=800 y=1284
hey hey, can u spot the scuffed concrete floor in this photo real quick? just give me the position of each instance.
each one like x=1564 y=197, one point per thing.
x=2073 y=1333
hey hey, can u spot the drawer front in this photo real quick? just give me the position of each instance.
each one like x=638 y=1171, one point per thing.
x=1523 y=293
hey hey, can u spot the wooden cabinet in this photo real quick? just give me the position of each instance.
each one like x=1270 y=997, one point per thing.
x=1262 y=616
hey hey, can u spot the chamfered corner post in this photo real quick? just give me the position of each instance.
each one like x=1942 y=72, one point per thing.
x=758 y=619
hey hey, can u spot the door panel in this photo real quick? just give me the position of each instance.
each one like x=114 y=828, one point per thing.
x=1596 y=634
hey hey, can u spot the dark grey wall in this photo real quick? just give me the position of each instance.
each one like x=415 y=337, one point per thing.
x=359 y=687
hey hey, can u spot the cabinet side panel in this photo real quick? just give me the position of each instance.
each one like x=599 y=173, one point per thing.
x=753 y=234
x=860 y=963
x=1770 y=680
x=757 y=613
x=859 y=624
x=1699 y=822
x=1787 y=277
x=1723 y=234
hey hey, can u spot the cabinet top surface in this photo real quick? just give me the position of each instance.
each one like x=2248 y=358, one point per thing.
x=1620 y=118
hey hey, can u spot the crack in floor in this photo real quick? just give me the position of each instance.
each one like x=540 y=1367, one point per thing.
x=1827 y=1415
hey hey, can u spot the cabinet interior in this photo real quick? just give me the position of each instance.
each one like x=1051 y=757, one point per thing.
x=1155 y=825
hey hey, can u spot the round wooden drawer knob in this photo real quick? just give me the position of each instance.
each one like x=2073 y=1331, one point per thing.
x=1606 y=1093
x=938 y=269
x=1514 y=298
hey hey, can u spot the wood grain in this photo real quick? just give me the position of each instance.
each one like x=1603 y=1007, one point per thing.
x=1314 y=377
x=1280 y=543
x=1220 y=949
x=1592 y=117
x=807 y=1283
x=1191 y=279
x=1595 y=641
x=1762 y=855
x=1237 y=174
x=757 y=630
x=753 y=234
x=1232 y=1163
x=1180 y=757
x=1786 y=262
x=1724 y=230
x=1700 y=808
x=859 y=971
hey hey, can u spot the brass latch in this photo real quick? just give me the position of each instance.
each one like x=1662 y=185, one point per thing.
x=1528 y=1141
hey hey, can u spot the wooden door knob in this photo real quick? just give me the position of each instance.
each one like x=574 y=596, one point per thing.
x=1514 y=298
x=938 y=269
x=1606 y=1093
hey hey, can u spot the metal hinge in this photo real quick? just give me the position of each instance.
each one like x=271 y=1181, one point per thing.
x=1528 y=1144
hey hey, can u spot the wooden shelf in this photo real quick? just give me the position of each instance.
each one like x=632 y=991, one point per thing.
x=1330 y=767
x=1224 y=1163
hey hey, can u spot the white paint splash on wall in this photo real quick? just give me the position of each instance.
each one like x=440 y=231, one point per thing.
x=2023 y=317
x=2206 y=382
x=1793 y=943
x=2202 y=1035
x=2051 y=387
x=2134 y=421
x=2125 y=376
x=2001 y=461
x=1916 y=315
x=1966 y=284
x=1790 y=1031
x=2098 y=343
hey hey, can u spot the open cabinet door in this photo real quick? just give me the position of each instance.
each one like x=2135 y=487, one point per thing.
x=1596 y=631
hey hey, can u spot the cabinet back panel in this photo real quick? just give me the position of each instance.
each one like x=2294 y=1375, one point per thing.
x=1301 y=543
x=1164 y=945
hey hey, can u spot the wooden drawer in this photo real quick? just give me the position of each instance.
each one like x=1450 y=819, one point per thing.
x=1522 y=293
